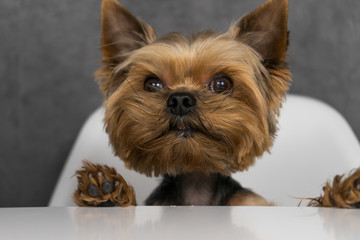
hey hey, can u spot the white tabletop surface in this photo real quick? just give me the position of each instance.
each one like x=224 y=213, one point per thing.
x=172 y=223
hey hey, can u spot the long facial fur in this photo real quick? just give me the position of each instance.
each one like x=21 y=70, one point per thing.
x=228 y=130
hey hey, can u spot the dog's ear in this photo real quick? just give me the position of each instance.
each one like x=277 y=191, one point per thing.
x=121 y=32
x=265 y=30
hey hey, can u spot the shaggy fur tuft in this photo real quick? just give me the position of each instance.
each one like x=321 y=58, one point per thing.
x=229 y=130
x=193 y=108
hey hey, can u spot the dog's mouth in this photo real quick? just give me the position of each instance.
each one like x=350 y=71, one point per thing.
x=183 y=130
x=187 y=130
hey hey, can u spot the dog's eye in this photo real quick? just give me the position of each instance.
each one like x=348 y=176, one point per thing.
x=221 y=83
x=153 y=84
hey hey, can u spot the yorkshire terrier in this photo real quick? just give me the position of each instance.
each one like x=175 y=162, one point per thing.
x=193 y=109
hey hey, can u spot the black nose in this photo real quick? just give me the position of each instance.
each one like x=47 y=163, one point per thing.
x=180 y=103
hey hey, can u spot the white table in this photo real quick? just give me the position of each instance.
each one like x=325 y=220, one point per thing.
x=170 y=223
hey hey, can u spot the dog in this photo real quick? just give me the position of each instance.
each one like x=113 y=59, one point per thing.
x=193 y=109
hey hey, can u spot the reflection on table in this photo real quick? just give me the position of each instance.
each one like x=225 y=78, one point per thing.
x=256 y=223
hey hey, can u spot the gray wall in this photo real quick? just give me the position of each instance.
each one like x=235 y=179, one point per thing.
x=49 y=50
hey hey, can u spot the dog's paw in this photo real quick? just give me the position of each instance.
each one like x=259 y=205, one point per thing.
x=102 y=186
x=342 y=193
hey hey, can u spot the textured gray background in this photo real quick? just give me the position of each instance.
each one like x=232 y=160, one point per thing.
x=49 y=50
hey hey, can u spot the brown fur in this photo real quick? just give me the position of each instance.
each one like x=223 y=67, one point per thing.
x=341 y=193
x=247 y=199
x=239 y=126
x=229 y=129
x=94 y=174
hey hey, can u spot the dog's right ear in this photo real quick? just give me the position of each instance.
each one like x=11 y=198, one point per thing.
x=121 y=32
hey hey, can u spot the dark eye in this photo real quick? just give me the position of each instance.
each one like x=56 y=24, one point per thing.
x=221 y=83
x=152 y=84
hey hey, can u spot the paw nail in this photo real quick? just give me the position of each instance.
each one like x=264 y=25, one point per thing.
x=107 y=187
x=92 y=190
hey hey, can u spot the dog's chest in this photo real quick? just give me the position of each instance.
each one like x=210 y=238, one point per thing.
x=198 y=189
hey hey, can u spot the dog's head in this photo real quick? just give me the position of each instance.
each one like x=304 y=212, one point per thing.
x=206 y=102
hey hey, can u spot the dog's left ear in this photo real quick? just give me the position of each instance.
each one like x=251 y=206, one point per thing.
x=265 y=30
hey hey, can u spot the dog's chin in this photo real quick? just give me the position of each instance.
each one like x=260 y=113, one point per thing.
x=188 y=131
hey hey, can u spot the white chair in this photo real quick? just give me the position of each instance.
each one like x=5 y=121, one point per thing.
x=314 y=143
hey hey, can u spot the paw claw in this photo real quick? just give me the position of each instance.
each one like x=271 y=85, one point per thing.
x=102 y=186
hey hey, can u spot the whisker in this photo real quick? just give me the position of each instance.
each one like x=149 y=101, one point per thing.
x=132 y=87
x=222 y=102
x=130 y=115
